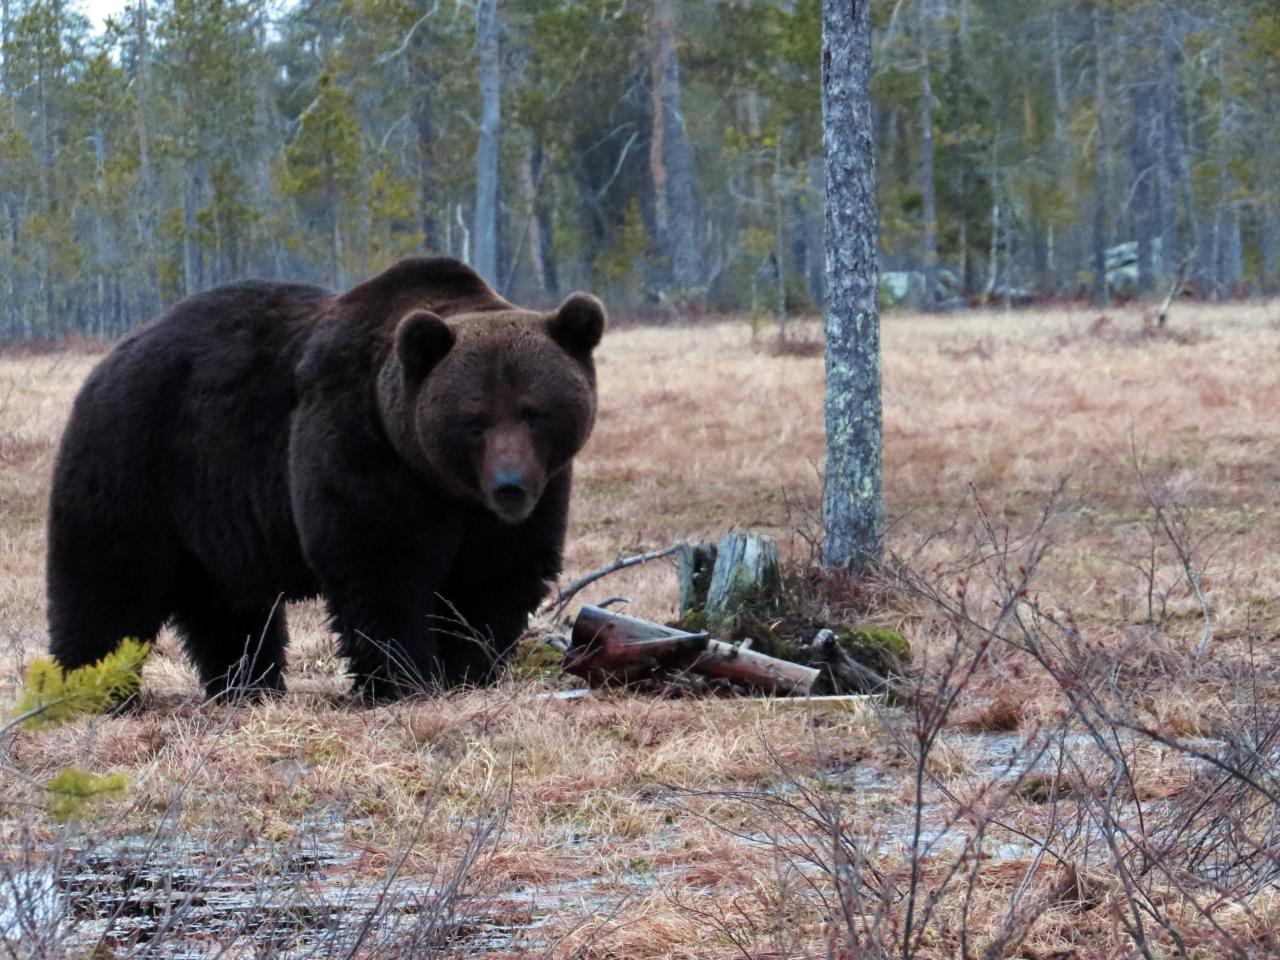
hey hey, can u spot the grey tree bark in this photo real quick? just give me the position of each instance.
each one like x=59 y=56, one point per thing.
x=486 y=215
x=1101 y=293
x=779 y=244
x=1269 y=208
x=529 y=177
x=928 y=188
x=1177 y=139
x=4 y=43
x=1228 y=254
x=853 y=502
x=424 y=77
x=671 y=156
x=146 y=182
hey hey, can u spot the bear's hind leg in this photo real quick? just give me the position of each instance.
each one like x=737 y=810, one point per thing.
x=238 y=654
x=97 y=600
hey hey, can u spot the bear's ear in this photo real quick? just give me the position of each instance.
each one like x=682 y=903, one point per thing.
x=422 y=340
x=579 y=323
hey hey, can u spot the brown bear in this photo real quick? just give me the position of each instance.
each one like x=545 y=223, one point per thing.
x=403 y=450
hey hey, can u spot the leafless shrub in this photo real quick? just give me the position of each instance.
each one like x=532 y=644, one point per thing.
x=983 y=348
x=797 y=345
x=1167 y=842
x=1105 y=329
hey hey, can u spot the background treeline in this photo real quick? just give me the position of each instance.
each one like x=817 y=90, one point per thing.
x=661 y=152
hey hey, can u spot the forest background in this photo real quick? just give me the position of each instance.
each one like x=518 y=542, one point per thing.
x=666 y=154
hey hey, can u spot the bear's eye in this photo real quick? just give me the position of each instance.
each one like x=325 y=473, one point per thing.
x=474 y=427
x=531 y=416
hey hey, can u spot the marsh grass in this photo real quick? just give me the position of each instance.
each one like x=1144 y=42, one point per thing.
x=1084 y=542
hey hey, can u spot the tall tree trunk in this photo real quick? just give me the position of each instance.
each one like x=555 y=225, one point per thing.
x=853 y=501
x=1146 y=215
x=1101 y=292
x=530 y=187
x=546 y=235
x=486 y=222
x=337 y=255
x=99 y=228
x=779 y=243
x=927 y=187
x=48 y=191
x=146 y=182
x=1176 y=147
x=671 y=156
x=1228 y=268
x=1269 y=208
x=424 y=76
x=4 y=45
x=814 y=227
x=1269 y=246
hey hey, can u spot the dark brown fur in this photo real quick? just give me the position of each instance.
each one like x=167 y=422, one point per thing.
x=403 y=450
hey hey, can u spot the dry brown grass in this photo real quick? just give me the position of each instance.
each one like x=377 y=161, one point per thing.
x=701 y=431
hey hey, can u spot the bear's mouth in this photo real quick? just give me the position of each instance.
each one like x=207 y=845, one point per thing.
x=512 y=504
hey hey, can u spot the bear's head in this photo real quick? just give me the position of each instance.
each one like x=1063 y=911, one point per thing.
x=491 y=405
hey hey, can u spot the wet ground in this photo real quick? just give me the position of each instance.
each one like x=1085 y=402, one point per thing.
x=316 y=895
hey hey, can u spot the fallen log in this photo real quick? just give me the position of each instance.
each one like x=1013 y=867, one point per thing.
x=613 y=647
x=747 y=668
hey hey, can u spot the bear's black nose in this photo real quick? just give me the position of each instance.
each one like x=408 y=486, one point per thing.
x=509 y=492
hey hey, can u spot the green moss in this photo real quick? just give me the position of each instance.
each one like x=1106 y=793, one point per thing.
x=694 y=621
x=535 y=660
x=72 y=789
x=877 y=647
x=766 y=633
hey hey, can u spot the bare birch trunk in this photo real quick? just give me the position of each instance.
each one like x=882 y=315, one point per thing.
x=1061 y=150
x=486 y=222
x=424 y=76
x=1269 y=208
x=927 y=185
x=853 y=503
x=1176 y=146
x=1228 y=265
x=4 y=44
x=779 y=243
x=529 y=187
x=1101 y=292
x=146 y=182
x=336 y=252
x=671 y=156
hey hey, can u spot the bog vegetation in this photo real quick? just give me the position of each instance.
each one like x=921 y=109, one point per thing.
x=1082 y=553
x=665 y=154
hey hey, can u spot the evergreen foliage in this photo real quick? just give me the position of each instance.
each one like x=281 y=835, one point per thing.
x=194 y=142
x=51 y=695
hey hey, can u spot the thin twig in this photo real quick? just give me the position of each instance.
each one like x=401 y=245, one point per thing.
x=568 y=593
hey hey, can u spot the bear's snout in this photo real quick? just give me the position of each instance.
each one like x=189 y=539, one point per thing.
x=512 y=480
x=510 y=495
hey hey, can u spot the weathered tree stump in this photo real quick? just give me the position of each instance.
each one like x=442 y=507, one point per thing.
x=696 y=561
x=746 y=572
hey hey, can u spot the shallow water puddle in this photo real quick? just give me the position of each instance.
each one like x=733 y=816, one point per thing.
x=185 y=901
